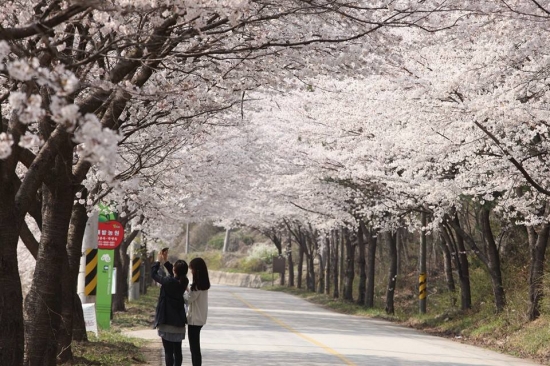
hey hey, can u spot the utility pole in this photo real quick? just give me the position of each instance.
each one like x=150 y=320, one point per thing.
x=226 y=240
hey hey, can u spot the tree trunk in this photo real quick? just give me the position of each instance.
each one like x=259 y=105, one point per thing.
x=328 y=263
x=306 y=249
x=435 y=254
x=494 y=261
x=122 y=262
x=448 y=266
x=321 y=287
x=276 y=238
x=73 y=326
x=65 y=333
x=300 y=265
x=371 y=266
x=11 y=297
x=350 y=267
x=398 y=249
x=341 y=264
x=282 y=279
x=310 y=243
x=463 y=268
x=491 y=259
x=322 y=256
x=146 y=280
x=335 y=270
x=310 y=272
x=392 y=274
x=301 y=238
x=290 y=262
x=404 y=258
x=120 y=256
x=79 y=325
x=362 y=265
x=538 y=243
x=43 y=305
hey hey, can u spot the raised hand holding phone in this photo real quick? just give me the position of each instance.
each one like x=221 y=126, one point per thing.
x=163 y=255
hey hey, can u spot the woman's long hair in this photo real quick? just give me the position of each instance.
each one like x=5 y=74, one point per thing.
x=201 y=281
x=180 y=270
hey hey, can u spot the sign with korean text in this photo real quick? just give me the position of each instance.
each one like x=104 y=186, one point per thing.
x=109 y=234
x=90 y=319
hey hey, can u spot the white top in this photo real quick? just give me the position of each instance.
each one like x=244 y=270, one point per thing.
x=198 y=307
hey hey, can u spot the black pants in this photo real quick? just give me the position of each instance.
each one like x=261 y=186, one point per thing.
x=172 y=353
x=194 y=335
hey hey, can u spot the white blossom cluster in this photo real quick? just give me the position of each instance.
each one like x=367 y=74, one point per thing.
x=374 y=127
x=405 y=139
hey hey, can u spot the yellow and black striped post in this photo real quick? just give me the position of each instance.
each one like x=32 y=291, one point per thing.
x=90 y=284
x=136 y=265
x=135 y=274
x=422 y=286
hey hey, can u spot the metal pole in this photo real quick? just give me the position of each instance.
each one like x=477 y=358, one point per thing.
x=226 y=241
x=135 y=273
x=422 y=276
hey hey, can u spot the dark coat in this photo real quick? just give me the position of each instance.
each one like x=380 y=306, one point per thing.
x=170 y=307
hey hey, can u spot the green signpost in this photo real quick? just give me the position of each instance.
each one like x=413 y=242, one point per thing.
x=109 y=236
x=104 y=286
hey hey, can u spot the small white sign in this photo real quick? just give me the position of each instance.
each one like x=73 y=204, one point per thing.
x=90 y=318
x=113 y=286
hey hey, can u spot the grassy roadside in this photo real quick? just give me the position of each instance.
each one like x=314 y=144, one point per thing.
x=508 y=332
x=139 y=314
x=112 y=347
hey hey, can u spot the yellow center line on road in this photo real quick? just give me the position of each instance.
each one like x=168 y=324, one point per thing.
x=288 y=327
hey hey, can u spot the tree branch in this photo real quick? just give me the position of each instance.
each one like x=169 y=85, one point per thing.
x=41 y=27
x=516 y=163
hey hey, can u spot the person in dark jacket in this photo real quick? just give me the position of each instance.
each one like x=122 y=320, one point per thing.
x=170 y=318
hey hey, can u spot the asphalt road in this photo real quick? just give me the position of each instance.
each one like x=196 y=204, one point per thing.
x=255 y=327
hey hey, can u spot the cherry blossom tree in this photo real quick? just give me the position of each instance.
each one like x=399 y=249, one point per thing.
x=82 y=77
x=175 y=112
